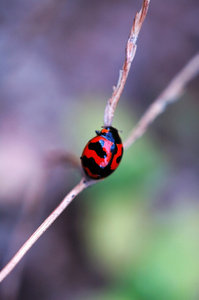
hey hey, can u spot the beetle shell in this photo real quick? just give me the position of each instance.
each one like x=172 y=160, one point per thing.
x=102 y=154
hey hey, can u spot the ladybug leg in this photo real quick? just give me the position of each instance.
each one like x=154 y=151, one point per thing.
x=97 y=132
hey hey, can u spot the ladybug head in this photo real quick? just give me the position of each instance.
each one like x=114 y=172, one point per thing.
x=110 y=133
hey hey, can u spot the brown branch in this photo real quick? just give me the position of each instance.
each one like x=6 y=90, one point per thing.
x=173 y=91
x=44 y=226
x=24 y=227
x=129 y=56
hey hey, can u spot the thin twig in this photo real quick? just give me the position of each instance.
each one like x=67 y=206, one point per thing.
x=31 y=204
x=129 y=56
x=172 y=92
x=44 y=226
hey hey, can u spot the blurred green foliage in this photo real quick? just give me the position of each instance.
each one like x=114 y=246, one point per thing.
x=147 y=250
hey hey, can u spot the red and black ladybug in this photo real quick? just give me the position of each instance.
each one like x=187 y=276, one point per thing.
x=102 y=154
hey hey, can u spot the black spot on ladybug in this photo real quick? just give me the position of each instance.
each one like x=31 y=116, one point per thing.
x=91 y=164
x=98 y=148
x=95 y=169
x=118 y=159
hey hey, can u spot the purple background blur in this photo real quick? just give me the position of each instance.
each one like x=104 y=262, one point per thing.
x=54 y=55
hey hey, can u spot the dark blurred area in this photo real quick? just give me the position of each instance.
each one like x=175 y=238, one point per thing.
x=135 y=235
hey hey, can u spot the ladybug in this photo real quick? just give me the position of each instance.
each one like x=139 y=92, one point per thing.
x=102 y=154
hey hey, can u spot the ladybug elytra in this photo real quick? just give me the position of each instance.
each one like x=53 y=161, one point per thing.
x=102 y=154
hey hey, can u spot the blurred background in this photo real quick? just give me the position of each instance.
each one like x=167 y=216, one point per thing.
x=134 y=236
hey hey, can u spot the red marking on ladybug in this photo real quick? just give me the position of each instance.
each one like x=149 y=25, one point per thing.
x=102 y=154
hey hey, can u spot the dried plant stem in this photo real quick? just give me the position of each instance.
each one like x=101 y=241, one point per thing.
x=31 y=204
x=129 y=56
x=44 y=226
x=172 y=92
